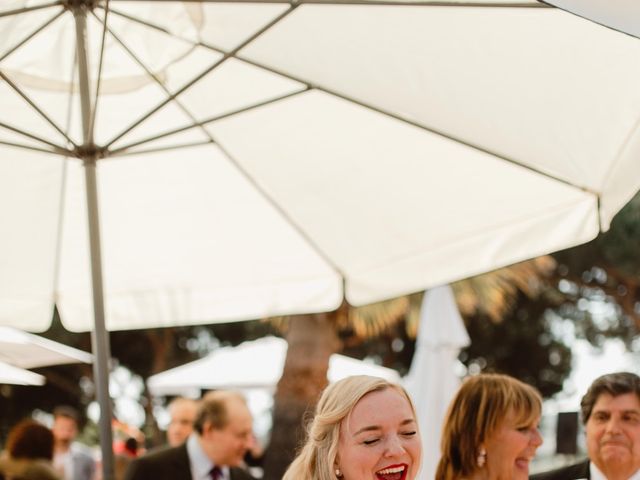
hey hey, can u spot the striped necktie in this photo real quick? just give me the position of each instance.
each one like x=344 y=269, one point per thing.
x=216 y=473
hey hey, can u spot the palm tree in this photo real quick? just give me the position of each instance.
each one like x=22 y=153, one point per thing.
x=313 y=338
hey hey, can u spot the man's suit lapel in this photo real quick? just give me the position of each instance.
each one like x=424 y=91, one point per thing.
x=238 y=474
x=580 y=470
x=180 y=467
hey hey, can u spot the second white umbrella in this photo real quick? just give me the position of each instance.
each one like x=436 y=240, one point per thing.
x=25 y=350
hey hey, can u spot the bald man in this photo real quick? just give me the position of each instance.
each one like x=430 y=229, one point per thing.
x=183 y=414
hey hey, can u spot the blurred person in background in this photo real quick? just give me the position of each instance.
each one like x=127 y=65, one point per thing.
x=363 y=428
x=611 y=415
x=182 y=412
x=29 y=453
x=223 y=433
x=491 y=430
x=124 y=457
x=69 y=458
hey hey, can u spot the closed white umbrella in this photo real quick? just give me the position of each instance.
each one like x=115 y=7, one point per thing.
x=250 y=365
x=19 y=376
x=26 y=350
x=432 y=379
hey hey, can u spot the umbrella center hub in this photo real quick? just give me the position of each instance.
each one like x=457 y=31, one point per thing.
x=75 y=4
x=89 y=152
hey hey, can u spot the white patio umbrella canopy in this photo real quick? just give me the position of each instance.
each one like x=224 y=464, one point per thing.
x=25 y=350
x=19 y=376
x=432 y=380
x=242 y=159
x=251 y=365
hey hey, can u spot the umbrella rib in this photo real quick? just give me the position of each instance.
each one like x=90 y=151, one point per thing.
x=202 y=75
x=224 y=52
x=426 y=3
x=168 y=133
x=92 y=122
x=145 y=23
x=167 y=32
x=423 y=3
x=18 y=11
x=157 y=81
x=36 y=108
x=412 y=123
x=122 y=153
x=57 y=148
x=63 y=188
x=448 y=136
x=460 y=141
x=261 y=191
x=55 y=151
x=31 y=35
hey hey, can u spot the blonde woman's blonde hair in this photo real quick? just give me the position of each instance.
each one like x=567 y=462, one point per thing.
x=317 y=458
x=481 y=404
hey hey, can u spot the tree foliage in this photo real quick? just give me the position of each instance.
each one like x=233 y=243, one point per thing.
x=523 y=345
x=600 y=281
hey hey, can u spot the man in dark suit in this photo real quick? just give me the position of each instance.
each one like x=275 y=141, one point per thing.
x=215 y=450
x=611 y=415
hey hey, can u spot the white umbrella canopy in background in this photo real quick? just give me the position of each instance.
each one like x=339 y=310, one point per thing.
x=21 y=350
x=250 y=365
x=19 y=376
x=433 y=379
x=254 y=368
x=256 y=159
x=25 y=350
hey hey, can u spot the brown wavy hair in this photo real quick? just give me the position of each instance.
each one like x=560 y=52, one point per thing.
x=481 y=404
x=30 y=439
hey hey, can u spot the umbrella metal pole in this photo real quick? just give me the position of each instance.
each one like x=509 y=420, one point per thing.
x=99 y=334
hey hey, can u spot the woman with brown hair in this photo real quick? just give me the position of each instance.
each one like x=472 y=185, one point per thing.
x=491 y=430
x=28 y=454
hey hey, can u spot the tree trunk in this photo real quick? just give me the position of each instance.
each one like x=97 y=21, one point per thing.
x=312 y=339
x=163 y=347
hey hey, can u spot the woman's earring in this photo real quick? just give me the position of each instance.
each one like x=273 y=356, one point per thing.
x=338 y=473
x=482 y=458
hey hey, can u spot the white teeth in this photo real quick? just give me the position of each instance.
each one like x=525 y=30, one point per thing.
x=388 y=471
